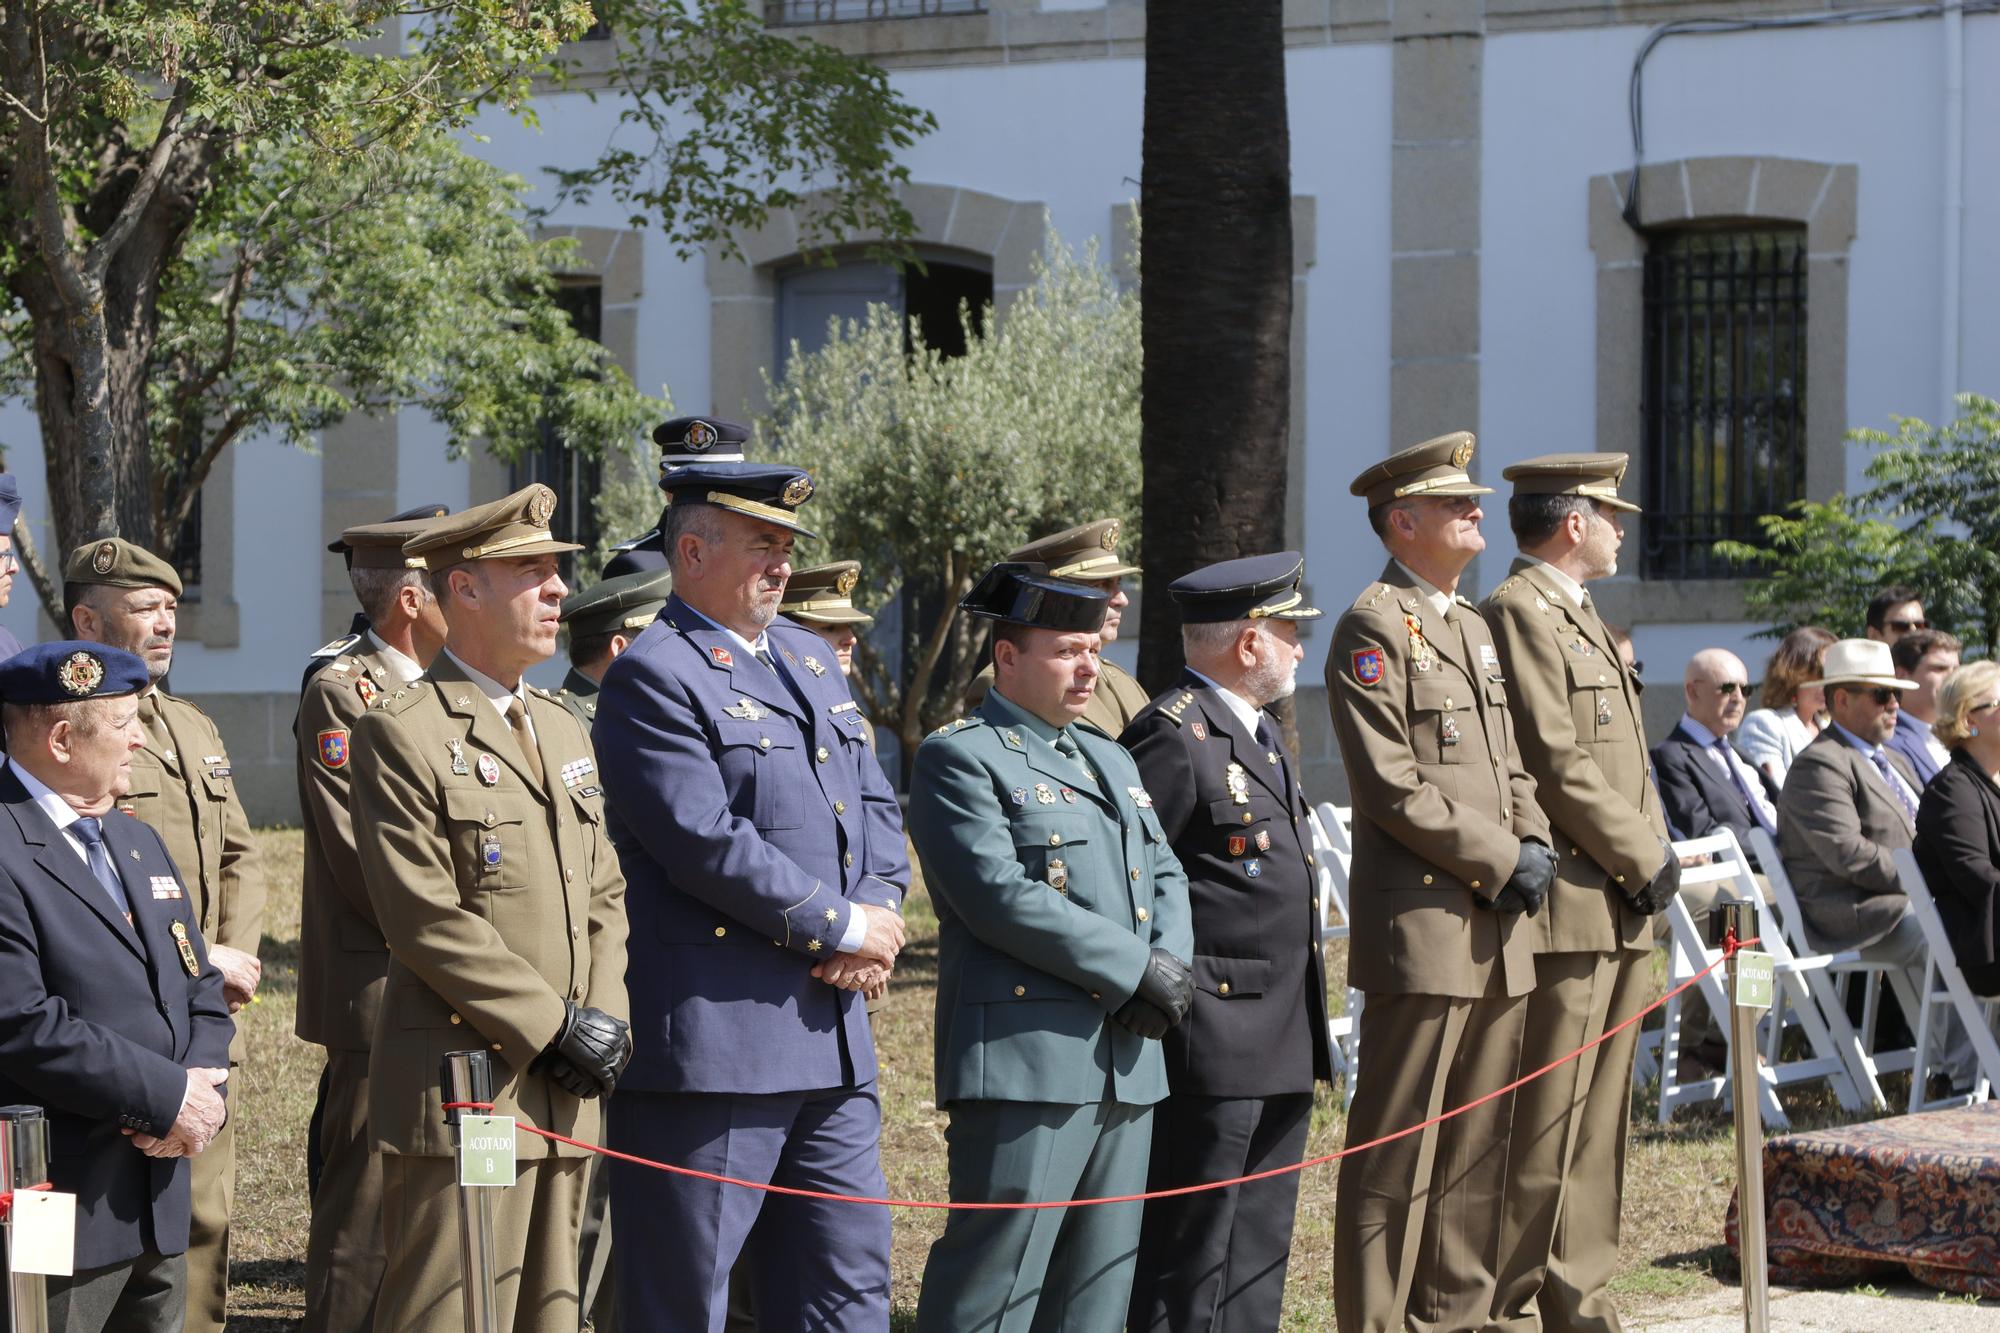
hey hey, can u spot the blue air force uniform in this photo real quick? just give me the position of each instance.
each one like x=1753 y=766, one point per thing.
x=101 y=1017
x=1054 y=887
x=750 y=817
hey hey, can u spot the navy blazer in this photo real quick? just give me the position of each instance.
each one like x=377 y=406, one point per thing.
x=1698 y=800
x=748 y=812
x=99 y=1021
x=1906 y=741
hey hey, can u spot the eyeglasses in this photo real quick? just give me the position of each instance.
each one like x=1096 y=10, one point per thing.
x=1638 y=667
x=1725 y=687
x=1907 y=626
x=1884 y=695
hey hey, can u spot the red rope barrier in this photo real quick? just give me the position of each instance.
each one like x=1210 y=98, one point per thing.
x=7 y=1198
x=1730 y=945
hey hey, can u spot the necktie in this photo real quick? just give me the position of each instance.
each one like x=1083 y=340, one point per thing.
x=517 y=720
x=1067 y=747
x=1750 y=797
x=764 y=656
x=1889 y=776
x=91 y=830
x=1267 y=741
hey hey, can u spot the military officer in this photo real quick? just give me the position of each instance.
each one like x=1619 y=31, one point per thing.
x=343 y=961
x=602 y=621
x=765 y=852
x=358 y=626
x=1583 y=738
x=1087 y=554
x=1063 y=948
x=503 y=909
x=682 y=440
x=1242 y=1067
x=1452 y=855
x=124 y=596
x=111 y=1018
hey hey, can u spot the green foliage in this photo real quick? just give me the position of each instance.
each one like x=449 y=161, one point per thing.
x=930 y=468
x=1931 y=520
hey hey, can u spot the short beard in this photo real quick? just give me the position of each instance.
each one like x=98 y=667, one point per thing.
x=761 y=614
x=1272 y=680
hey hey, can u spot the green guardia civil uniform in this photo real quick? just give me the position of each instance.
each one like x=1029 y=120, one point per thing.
x=1052 y=888
x=183 y=785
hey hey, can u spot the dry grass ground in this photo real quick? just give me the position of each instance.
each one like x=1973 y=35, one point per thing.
x=1678 y=1181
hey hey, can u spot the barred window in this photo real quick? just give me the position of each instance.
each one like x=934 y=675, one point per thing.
x=574 y=477
x=778 y=12
x=1724 y=399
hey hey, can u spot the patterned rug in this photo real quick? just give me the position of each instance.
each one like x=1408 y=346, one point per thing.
x=1920 y=1192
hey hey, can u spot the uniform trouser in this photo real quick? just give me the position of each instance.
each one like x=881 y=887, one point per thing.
x=1042 y=1269
x=593 y=1255
x=212 y=1182
x=535 y=1224
x=1216 y=1261
x=1417 y=1221
x=344 y=1258
x=1566 y=1166
x=816 y=1264
x=142 y=1295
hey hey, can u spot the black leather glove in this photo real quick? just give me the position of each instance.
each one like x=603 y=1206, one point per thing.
x=1163 y=998
x=590 y=1050
x=1528 y=887
x=1658 y=891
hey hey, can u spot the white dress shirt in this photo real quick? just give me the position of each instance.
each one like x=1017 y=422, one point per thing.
x=497 y=694
x=401 y=664
x=56 y=808
x=1440 y=600
x=1245 y=712
x=1569 y=587
x=1910 y=794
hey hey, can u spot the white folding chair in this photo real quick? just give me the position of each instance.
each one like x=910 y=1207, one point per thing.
x=1333 y=849
x=1825 y=1058
x=1945 y=992
x=1828 y=975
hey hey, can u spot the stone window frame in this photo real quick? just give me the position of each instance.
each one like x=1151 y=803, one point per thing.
x=214 y=619
x=1821 y=197
x=743 y=287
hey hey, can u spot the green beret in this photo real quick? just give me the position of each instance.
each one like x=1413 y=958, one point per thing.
x=117 y=563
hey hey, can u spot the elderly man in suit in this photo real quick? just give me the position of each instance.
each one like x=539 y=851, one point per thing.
x=764 y=850
x=1452 y=857
x=1063 y=943
x=111 y=1017
x=1704 y=784
x=1849 y=803
x=1242 y=1068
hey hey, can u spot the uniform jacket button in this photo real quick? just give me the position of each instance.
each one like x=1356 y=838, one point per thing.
x=1055 y=839
x=1144 y=915
x=576 y=993
x=496 y=1045
x=489 y=819
x=1247 y=817
x=764 y=743
x=721 y=931
x=848 y=859
x=1095 y=996
x=1223 y=989
x=456 y=1020
x=1135 y=877
x=576 y=932
x=1020 y=990
x=1475 y=883
x=1427 y=879
x=840 y=807
x=822 y=755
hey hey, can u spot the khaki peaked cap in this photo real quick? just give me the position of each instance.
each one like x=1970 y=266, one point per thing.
x=517 y=525
x=1089 y=551
x=622 y=603
x=1435 y=467
x=380 y=545
x=1592 y=476
x=117 y=563
x=824 y=595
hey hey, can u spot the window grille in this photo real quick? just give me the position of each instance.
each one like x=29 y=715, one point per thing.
x=1724 y=402
x=780 y=12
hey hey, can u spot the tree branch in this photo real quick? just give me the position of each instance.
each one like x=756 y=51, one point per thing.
x=37 y=572
x=98 y=258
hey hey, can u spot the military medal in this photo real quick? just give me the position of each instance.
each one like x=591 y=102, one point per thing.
x=747 y=711
x=1068 y=796
x=1582 y=649
x=812 y=665
x=1238 y=844
x=1488 y=659
x=1448 y=731
x=1237 y=779
x=1422 y=656
x=1253 y=868
x=489 y=852
x=165 y=886
x=186 y=947
x=1058 y=876
x=1263 y=840
x=1603 y=710
x=1140 y=797
x=576 y=770
x=457 y=757
x=489 y=770
x=1043 y=795
x=366 y=689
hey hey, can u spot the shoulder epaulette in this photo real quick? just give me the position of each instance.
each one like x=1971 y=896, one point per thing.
x=1173 y=710
x=336 y=647
x=395 y=701
x=1507 y=585
x=954 y=727
x=1371 y=596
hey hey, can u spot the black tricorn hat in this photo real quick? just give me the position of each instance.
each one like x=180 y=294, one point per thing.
x=1024 y=594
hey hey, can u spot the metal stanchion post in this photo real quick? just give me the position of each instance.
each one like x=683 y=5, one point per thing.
x=1749 y=1133
x=24 y=1161
x=468 y=1077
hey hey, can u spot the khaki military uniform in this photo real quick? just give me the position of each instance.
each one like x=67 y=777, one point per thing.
x=343 y=967
x=1118 y=699
x=1583 y=737
x=1441 y=806
x=578 y=694
x=500 y=898
x=182 y=785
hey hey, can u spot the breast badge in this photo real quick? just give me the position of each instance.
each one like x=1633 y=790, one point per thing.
x=813 y=665
x=489 y=770
x=1237 y=779
x=1603 y=710
x=457 y=748
x=747 y=711
x=1448 y=731
x=1422 y=656
x=1238 y=844
x=1263 y=840
x=1253 y=868
x=1058 y=876
x=186 y=948
x=489 y=853
x=1020 y=797
x=366 y=689
x=1043 y=795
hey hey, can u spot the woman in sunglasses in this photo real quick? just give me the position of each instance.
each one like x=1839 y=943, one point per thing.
x=1958 y=822
x=1793 y=701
